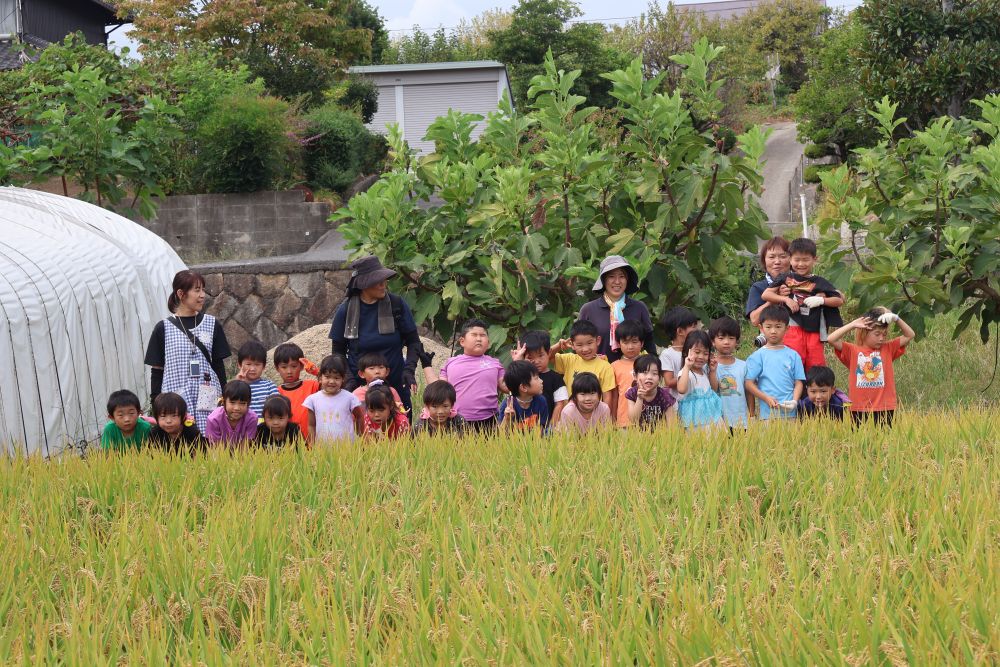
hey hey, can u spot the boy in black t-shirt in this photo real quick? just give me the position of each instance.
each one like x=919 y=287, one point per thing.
x=175 y=431
x=813 y=301
x=534 y=347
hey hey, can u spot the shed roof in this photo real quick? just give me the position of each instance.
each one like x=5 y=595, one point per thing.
x=424 y=67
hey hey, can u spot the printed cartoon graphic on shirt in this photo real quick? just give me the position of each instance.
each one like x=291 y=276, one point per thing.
x=528 y=423
x=727 y=386
x=870 y=372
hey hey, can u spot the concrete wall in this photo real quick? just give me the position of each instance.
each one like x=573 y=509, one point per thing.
x=272 y=301
x=233 y=226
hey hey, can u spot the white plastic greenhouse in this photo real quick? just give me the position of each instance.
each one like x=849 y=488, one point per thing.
x=80 y=290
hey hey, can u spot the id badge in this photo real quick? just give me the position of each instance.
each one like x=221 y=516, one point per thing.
x=194 y=368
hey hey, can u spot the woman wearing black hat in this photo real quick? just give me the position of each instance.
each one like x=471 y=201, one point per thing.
x=613 y=306
x=372 y=320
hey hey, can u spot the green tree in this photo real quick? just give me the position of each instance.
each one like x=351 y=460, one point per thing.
x=529 y=209
x=926 y=204
x=360 y=14
x=830 y=106
x=82 y=115
x=930 y=56
x=439 y=46
x=538 y=26
x=299 y=48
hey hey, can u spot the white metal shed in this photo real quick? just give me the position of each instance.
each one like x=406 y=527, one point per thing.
x=80 y=291
x=414 y=95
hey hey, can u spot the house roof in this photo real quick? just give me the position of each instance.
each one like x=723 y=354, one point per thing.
x=12 y=58
x=107 y=5
x=425 y=67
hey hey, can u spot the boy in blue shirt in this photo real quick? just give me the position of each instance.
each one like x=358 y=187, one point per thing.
x=525 y=408
x=774 y=372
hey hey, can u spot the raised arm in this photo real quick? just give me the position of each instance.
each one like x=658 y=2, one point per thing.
x=835 y=338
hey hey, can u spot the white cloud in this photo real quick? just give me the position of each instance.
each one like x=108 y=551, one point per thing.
x=429 y=14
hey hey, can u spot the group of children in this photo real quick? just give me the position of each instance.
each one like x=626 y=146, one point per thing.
x=696 y=380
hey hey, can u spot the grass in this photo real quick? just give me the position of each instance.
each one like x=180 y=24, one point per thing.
x=811 y=544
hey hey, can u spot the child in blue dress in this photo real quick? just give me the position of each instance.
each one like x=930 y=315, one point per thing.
x=699 y=406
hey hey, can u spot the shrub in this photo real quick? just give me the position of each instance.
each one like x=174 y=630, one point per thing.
x=244 y=145
x=812 y=172
x=361 y=96
x=374 y=151
x=816 y=151
x=334 y=148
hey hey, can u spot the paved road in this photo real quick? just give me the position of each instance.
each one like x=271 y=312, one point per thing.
x=782 y=155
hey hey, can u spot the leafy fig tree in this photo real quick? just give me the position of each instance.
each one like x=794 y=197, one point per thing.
x=511 y=227
x=928 y=206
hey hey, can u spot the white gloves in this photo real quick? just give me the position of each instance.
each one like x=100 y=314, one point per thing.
x=813 y=301
x=888 y=318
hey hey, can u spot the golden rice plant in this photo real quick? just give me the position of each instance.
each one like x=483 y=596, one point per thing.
x=794 y=544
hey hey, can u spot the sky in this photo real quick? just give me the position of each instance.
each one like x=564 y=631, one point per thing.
x=401 y=15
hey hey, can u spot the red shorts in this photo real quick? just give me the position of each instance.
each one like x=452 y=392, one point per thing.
x=808 y=345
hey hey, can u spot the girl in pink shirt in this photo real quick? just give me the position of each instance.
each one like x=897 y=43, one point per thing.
x=585 y=410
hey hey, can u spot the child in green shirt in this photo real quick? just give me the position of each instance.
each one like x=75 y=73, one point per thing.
x=127 y=429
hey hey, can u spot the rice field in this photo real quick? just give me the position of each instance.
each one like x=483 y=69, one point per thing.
x=797 y=545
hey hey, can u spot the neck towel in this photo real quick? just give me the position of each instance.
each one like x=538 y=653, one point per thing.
x=386 y=322
x=617 y=317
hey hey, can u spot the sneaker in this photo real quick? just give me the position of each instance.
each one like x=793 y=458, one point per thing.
x=759 y=341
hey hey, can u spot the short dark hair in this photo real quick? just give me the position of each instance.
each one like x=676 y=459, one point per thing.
x=123 y=398
x=473 y=324
x=821 y=376
x=583 y=328
x=724 y=326
x=517 y=374
x=644 y=362
x=333 y=364
x=534 y=341
x=629 y=329
x=369 y=359
x=802 y=246
x=277 y=406
x=586 y=383
x=439 y=392
x=696 y=337
x=253 y=351
x=169 y=403
x=287 y=352
x=236 y=390
x=676 y=318
x=775 y=242
x=775 y=313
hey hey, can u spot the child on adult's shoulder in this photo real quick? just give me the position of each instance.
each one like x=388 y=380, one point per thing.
x=534 y=347
x=233 y=422
x=175 y=430
x=869 y=362
x=252 y=357
x=384 y=417
x=813 y=301
x=774 y=372
x=678 y=322
x=737 y=404
x=373 y=366
x=631 y=336
x=698 y=402
x=586 y=411
x=822 y=398
x=438 y=415
x=648 y=403
x=334 y=414
x=477 y=378
x=525 y=408
x=277 y=429
x=290 y=361
x=126 y=430
x=584 y=341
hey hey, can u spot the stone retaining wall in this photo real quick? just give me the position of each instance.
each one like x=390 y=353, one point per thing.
x=272 y=302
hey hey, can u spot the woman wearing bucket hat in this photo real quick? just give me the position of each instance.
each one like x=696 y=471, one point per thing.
x=371 y=319
x=616 y=281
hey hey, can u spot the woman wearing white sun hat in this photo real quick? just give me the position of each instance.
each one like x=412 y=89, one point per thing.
x=616 y=281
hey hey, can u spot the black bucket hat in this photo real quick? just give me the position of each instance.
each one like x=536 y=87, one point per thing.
x=368 y=271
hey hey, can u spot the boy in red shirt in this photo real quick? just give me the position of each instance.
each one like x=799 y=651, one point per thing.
x=289 y=361
x=869 y=362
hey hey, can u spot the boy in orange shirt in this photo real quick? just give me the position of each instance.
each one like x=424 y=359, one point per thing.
x=289 y=361
x=630 y=335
